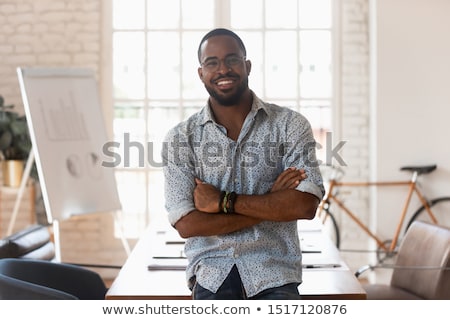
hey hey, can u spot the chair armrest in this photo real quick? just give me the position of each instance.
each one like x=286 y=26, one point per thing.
x=393 y=267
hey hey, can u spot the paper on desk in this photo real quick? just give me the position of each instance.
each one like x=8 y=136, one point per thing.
x=311 y=243
x=167 y=263
x=310 y=247
x=309 y=260
x=167 y=244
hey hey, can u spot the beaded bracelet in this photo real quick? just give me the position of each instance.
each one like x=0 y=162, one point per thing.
x=226 y=201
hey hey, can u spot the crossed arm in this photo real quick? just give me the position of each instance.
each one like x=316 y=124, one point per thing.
x=282 y=203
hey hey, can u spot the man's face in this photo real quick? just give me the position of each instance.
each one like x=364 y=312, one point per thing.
x=224 y=70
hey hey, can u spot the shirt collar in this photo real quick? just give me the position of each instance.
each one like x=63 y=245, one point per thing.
x=257 y=105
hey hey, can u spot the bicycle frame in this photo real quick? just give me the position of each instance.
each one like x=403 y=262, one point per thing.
x=412 y=184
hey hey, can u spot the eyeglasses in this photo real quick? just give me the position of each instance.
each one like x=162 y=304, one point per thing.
x=213 y=64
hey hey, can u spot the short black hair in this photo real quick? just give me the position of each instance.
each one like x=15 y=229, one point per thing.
x=221 y=32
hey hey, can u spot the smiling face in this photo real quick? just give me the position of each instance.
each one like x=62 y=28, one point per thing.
x=224 y=70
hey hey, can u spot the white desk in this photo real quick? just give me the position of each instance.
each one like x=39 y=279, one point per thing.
x=135 y=281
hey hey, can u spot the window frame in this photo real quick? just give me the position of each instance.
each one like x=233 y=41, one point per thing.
x=222 y=20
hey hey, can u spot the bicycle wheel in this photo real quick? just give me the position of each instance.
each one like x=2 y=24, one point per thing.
x=440 y=208
x=330 y=227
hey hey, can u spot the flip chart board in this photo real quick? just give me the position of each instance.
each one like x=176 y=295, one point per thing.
x=68 y=132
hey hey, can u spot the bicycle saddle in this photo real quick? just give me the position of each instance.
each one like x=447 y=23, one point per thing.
x=420 y=169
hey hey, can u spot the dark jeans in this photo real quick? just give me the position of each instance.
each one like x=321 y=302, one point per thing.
x=232 y=289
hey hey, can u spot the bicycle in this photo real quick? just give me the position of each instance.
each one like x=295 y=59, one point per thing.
x=436 y=210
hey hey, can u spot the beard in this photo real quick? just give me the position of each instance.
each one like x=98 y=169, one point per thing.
x=229 y=100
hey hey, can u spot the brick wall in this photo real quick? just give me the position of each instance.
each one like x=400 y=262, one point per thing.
x=68 y=33
x=56 y=33
x=47 y=33
x=354 y=118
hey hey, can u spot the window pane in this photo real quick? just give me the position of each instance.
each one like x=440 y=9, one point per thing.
x=281 y=14
x=126 y=16
x=163 y=14
x=156 y=200
x=198 y=14
x=163 y=65
x=315 y=13
x=192 y=107
x=315 y=60
x=129 y=118
x=128 y=70
x=254 y=45
x=291 y=104
x=160 y=121
x=131 y=187
x=192 y=86
x=319 y=115
x=246 y=14
x=281 y=64
x=129 y=132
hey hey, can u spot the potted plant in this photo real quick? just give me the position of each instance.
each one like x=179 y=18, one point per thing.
x=15 y=143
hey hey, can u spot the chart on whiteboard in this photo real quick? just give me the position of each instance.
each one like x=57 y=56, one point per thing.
x=65 y=121
x=68 y=133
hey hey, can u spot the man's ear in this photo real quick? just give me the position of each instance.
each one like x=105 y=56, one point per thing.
x=248 y=65
x=200 y=73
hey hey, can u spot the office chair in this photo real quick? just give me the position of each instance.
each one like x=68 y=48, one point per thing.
x=421 y=269
x=33 y=242
x=31 y=279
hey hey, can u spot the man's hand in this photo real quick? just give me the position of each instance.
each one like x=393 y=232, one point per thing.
x=206 y=197
x=288 y=179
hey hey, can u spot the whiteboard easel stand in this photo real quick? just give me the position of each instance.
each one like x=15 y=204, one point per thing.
x=23 y=184
x=12 y=222
x=55 y=222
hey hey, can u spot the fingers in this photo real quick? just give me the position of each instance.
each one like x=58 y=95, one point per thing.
x=293 y=179
x=292 y=176
x=206 y=197
x=289 y=179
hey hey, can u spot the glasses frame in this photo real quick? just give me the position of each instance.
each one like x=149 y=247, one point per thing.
x=227 y=62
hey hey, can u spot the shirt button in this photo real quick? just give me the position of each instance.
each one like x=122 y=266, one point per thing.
x=236 y=255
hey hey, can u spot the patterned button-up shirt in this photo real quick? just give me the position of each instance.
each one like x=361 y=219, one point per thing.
x=272 y=139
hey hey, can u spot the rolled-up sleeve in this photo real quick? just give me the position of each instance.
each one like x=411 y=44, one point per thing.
x=301 y=153
x=310 y=187
x=179 y=177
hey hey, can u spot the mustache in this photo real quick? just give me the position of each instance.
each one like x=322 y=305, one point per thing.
x=227 y=75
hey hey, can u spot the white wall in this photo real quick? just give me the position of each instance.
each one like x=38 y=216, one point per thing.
x=411 y=97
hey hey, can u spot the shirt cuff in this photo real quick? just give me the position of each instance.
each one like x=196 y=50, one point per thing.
x=178 y=212
x=310 y=187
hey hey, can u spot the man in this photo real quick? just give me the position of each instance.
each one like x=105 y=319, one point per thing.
x=239 y=174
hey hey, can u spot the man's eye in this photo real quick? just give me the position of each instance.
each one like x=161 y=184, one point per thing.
x=211 y=64
x=233 y=60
